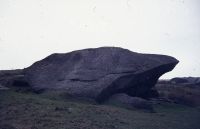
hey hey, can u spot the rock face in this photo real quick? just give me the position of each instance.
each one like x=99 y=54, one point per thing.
x=99 y=73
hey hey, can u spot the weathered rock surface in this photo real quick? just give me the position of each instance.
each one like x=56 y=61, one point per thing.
x=99 y=73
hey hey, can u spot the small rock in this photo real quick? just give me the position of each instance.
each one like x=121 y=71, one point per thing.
x=69 y=110
x=135 y=102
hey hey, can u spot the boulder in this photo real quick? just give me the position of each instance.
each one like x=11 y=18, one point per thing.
x=129 y=101
x=99 y=73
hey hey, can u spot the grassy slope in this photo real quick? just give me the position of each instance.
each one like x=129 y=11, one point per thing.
x=53 y=111
x=183 y=94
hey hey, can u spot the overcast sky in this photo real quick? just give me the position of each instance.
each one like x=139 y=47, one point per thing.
x=32 y=29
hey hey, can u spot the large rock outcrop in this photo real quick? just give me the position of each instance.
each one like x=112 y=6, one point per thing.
x=99 y=73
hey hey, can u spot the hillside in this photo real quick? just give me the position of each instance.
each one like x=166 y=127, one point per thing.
x=56 y=110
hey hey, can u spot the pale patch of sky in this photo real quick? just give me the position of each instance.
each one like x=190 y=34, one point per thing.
x=32 y=29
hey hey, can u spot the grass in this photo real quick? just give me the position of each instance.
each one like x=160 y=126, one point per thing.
x=182 y=94
x=55 y=110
